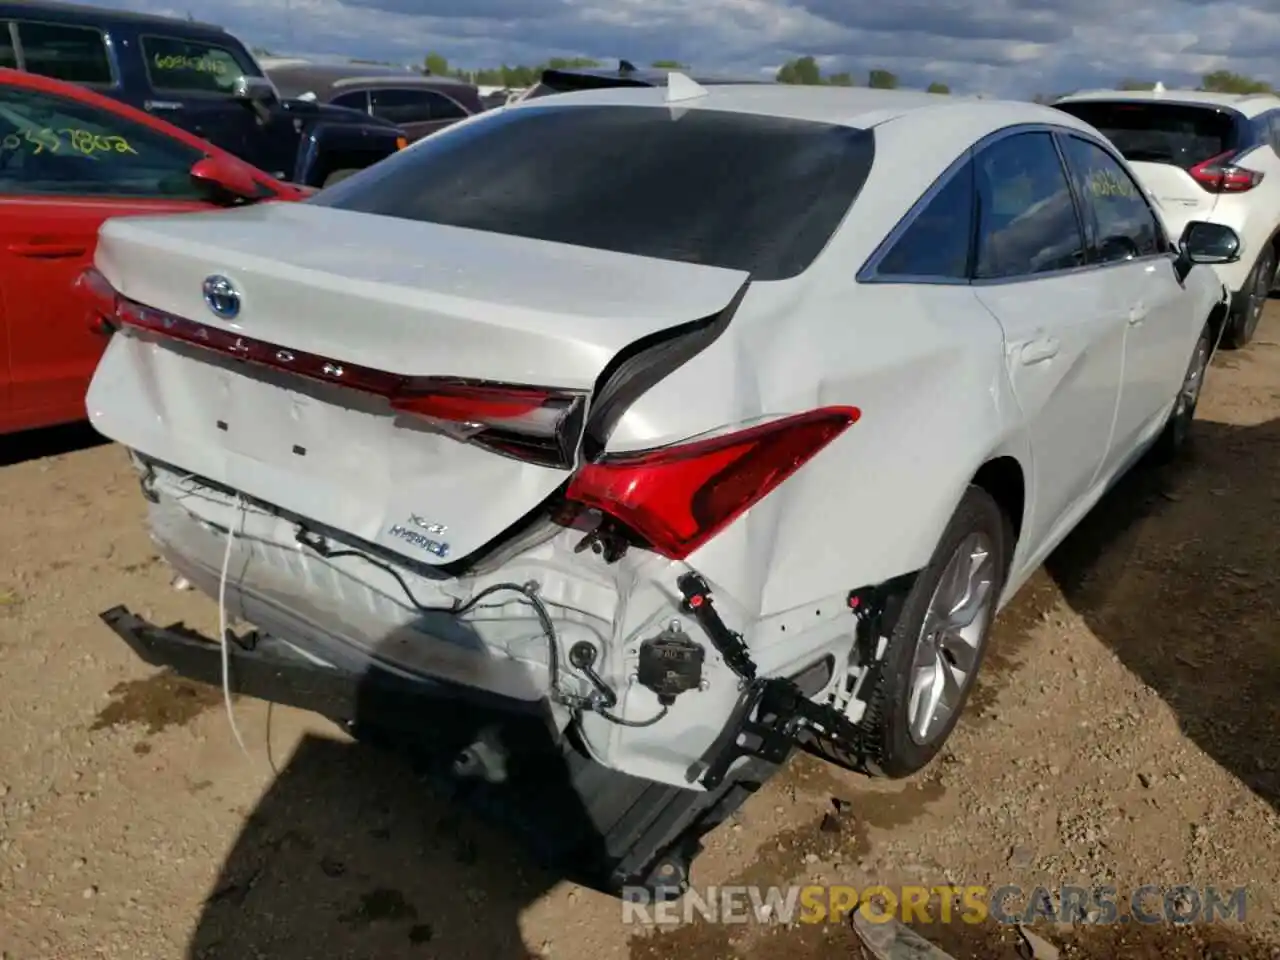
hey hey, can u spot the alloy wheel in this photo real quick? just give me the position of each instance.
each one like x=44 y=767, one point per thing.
x=951 y=637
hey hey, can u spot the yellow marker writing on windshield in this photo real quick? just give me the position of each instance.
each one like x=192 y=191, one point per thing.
x=75 y=140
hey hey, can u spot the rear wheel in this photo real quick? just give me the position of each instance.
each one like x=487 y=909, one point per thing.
x=1178 y=427
x=1244 y=322
x=921 y=684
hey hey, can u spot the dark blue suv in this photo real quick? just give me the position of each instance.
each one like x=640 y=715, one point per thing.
x=196 y=76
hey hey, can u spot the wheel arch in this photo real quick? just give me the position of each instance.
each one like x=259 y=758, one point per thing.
x=1002 y=477
x=1220 y=313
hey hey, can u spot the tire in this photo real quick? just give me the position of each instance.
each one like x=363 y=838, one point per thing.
x=337 y=176
x=889 y=746
x=1173 y=438
x=1257 y=287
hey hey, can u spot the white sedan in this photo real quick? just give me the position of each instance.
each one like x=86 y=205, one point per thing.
x=687 y=425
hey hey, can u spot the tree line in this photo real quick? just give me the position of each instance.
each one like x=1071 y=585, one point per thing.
x=805 y=71
x=802 y=71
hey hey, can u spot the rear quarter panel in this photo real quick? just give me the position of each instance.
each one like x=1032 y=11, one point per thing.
x=924 y=364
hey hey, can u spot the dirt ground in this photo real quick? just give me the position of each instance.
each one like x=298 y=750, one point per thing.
x=1125 y=732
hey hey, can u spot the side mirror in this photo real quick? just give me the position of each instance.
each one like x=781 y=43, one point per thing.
x=258 y=90
x=224 y=181
x=1204 y=242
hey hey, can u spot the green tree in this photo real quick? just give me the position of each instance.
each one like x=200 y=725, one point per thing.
x=802 y=70
x=1128 y=83
x=937 y=87
x=669 y=65
x=882 y=80
x=844 y=79
x=437 y=64
x=1224 y=81
x=571 y=63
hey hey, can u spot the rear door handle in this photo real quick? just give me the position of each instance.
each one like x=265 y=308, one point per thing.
x=1037 y=351
x=48 y=250
x=162 y=105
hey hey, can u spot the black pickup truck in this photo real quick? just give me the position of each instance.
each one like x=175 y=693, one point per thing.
x=197 y=76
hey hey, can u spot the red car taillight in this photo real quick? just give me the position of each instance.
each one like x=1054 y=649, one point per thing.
x=677 y=498
x=1219 y=175
x=534 y=424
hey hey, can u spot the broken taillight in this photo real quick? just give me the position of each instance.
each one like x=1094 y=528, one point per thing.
x=1219 y=175
x=534 y=424
x=677 y=498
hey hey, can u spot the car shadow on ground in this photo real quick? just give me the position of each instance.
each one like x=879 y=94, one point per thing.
x=28 y=445
x=349 y=855
x=374 y=848
x=1177 y=571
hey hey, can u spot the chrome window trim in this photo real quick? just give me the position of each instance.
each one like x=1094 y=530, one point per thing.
x=869 y=272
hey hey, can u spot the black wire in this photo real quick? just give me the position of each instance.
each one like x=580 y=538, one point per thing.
x=622 y=722
x=457 y=608
x=318 y=544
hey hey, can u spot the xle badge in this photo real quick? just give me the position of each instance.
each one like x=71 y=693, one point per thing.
x=420 y=539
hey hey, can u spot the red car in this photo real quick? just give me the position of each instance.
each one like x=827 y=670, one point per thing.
x=69 y=159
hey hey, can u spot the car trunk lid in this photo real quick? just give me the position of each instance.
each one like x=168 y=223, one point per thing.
x=376 y=369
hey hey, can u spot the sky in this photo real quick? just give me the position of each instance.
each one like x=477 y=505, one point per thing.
x=1000 y=47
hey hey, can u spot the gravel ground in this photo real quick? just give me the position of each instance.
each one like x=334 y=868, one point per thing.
x=1125 y=732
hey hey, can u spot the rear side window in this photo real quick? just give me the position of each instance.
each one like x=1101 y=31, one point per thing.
x=356 y=100
x=74 y=54
x=735 y=190
x=1027 y=220
x=401 y=106
x=446 y=108
x=1182 y=135
x=405 y=105
x=191 y=66
x=936 y=242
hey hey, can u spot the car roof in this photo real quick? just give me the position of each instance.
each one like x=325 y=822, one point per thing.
x=305 y=75
x=1249 y=104
x=649 y=76
x=859 y=107
x=59 y=10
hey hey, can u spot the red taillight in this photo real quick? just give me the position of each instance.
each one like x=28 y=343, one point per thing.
x=99 y=298
x=1219 y=175
x=530 y=423
x=679 y=497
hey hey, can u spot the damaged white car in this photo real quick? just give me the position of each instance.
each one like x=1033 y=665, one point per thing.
x=668 y=429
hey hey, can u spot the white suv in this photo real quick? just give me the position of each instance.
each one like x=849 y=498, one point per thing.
x=1204 y=156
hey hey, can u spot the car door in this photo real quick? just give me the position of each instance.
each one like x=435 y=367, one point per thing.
x=1136 y=268
x=1063 y=344
x=191 y=86
x=65 y=166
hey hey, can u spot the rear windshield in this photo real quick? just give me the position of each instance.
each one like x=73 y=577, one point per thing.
x=1182 y=135
x=735 y=190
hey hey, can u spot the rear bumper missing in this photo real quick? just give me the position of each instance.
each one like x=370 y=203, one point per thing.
x=600 y=827
x=265 y=668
